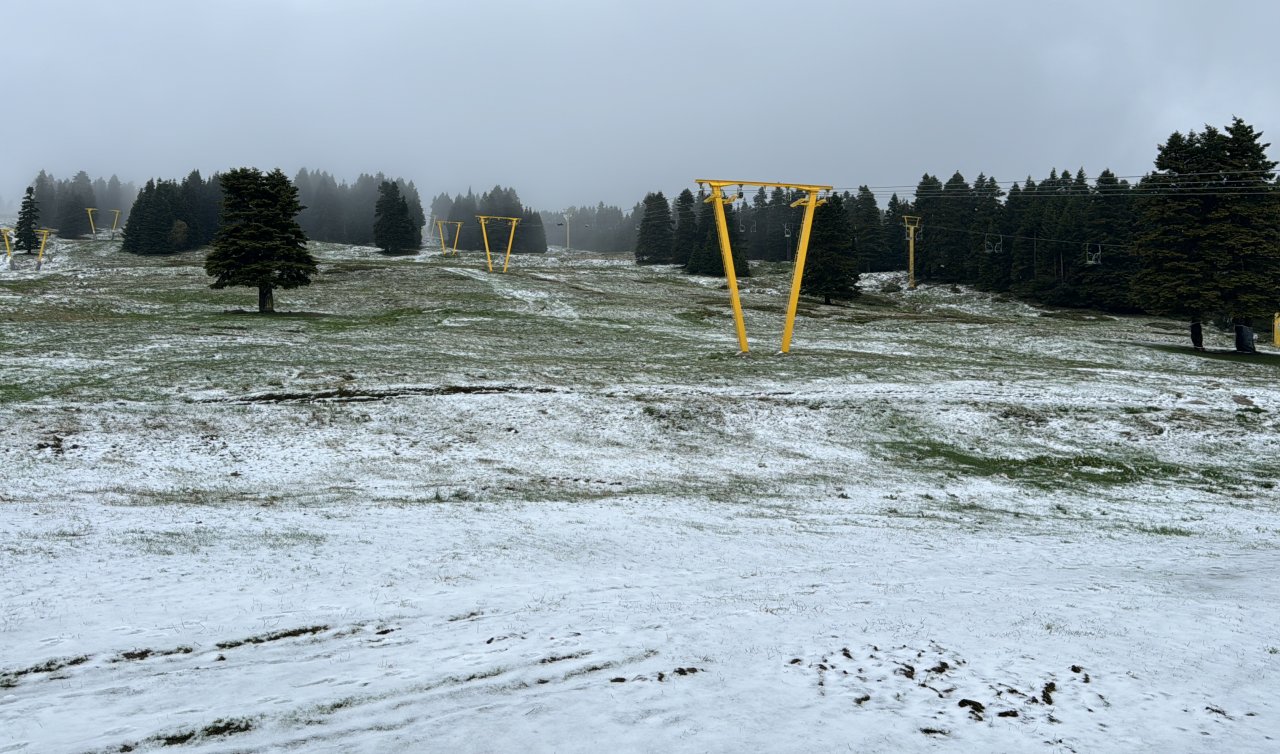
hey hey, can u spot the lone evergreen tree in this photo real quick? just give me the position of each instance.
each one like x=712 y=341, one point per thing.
x=393 y=228
x=24 y=233
x=655 y=237
x=830 y=270
x=259 y=243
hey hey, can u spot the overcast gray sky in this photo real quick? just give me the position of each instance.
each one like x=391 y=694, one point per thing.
x=577 y=101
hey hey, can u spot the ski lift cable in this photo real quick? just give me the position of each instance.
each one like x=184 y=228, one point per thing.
x=1015 y=237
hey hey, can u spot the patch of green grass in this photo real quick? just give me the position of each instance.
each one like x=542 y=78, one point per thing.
x=28 y=286
x=1166 y=531
x=700 y=316
x=1043 y=471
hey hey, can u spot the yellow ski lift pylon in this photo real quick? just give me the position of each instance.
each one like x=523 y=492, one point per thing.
x=44 y=239
x=8 y=250
x=115 y=221
x=93 y=231
x=457 y=231
x=510 y=239
x=810 y=202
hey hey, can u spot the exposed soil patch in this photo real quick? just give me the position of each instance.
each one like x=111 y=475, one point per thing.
x=348 y=394
x=9 y=678
x=273 y=636
x=142 y=654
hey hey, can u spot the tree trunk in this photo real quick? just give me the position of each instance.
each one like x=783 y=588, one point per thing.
x=266 y=300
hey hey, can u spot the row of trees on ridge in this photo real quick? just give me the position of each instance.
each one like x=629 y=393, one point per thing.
x=1199 y=237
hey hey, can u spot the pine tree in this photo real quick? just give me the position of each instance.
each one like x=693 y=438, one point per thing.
x=895 y=233
x=260 y=244
x=865 y=222
x=830 y=270
x=1207 y=252
x=25 y=237
x=1106 y=283
x=393 y=227
x=46 y=192
x=686 y=237
x=655 y=238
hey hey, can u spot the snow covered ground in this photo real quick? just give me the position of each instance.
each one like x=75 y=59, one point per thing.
x=438 y=509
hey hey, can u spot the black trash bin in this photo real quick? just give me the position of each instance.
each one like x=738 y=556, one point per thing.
x=1244 y=340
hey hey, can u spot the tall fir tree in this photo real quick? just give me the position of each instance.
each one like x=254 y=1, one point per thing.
x=830 y=269
x=685 y=238
x=866 y=224
x=25 y=237
x=393 y=226
x=656 y=237
x=260 y=244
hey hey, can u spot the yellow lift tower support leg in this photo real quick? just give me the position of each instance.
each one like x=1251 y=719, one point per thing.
x=93 y=231
x=912 y=222
x=44 y=239
x=8 y=250
x=115 y=221
x=457 y=231
x=811 y=201
x=510 y=238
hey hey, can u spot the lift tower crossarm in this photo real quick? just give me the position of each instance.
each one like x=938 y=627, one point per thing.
x=811 y=201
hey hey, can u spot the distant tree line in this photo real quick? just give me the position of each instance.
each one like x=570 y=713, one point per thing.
x=1199 y=237
x=338 y=212
x=61 y=203
x=530 y=236
x=604 y=228
x=170 y=216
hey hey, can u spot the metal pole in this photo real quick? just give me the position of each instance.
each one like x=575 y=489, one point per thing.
x=912 y=222
x=726 y=254
x=802 y=250
x=510 y=241
x=485 y=232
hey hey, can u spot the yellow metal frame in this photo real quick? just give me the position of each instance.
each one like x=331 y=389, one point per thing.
x=115 y=220
x=511 y=239
x=1275 y=330
x=8 y=250
x=810 y=202
x=457 y=231
x=912 y=222
x=44 y=239
x=93 y=231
